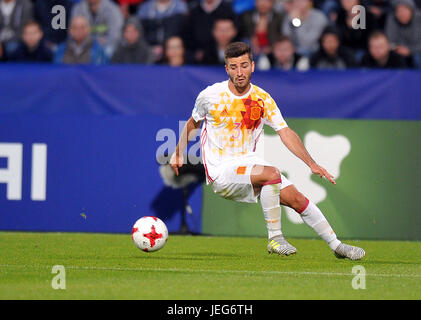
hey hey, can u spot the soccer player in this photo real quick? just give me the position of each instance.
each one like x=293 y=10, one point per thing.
x=234 y=112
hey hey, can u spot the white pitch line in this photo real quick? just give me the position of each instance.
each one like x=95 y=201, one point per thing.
x=222 y=271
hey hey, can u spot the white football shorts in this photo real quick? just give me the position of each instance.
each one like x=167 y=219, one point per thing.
x=234 y=181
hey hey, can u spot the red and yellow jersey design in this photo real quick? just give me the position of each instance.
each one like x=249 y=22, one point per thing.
x=233 y=124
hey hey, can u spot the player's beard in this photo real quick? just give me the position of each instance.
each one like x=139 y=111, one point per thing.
x=241 y=86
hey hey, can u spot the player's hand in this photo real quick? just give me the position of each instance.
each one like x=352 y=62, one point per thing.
x=176 y=162
x=322 y=172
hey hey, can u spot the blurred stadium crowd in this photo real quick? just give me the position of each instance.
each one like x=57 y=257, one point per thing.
x=284 y=34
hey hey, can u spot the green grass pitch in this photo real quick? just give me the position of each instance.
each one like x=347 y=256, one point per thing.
x=109 y=266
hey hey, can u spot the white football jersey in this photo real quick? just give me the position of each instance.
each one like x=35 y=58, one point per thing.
x=232 y=124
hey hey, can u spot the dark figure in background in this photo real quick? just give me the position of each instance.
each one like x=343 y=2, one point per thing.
x=162 y=19
x=174 y=52
x=354 y=39
x=2 y=53
x=32 y=47
x=43 y=14
x=379 y=9
x=133 y=48
x=198 y=32
x=331 y=54
x=13 y=16
x=284 y=57
x=174 y=196
x=403 y=28
x=224 y=32
x=380 y=54
x=261 y=26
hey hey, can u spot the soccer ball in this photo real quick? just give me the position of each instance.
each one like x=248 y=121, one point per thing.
x=149 y=234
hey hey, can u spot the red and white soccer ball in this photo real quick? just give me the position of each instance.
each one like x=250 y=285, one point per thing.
x=149 y=234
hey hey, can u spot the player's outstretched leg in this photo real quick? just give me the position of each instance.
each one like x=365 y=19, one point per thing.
x=270 y=201
x=315 y=219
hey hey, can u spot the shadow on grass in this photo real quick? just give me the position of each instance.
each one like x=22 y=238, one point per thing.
x=190 y=256
x=378 y=262
x=216 y=254
x=162 y=258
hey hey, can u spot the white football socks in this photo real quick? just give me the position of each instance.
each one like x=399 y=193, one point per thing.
x=311 y=215
x=315 y=219
x=269 y=199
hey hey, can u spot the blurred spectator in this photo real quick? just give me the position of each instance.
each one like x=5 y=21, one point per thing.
x=200 y=23
x=2 y=53
x=380 y=55
x=303 y=25
x=404 y=31
x=330 y=8
x=191 y=4
x=331 y=55
x=32 y=48
x=279 y=6
x=13 y=16
x=224 y=32
x=42 y=14
x=174 y=52
x=261 y=26
x=133 y=47
x=105 y=19
x=318 y=4
x=379 y=9
x=284 y=56
x=354 y=39
x=162 y=19
x=81 y=46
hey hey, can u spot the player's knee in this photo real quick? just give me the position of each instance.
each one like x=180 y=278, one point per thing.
x=272 y=174
x=299 y=202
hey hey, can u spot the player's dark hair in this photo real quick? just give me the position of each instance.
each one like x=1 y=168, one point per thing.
x=237 y=49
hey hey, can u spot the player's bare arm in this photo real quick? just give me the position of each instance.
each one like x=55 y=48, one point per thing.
x=189 y=131
x=293 y=142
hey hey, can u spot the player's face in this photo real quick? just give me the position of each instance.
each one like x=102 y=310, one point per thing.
x=239 y=70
